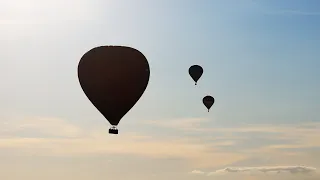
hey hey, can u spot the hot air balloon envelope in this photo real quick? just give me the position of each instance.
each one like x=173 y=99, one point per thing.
x=113 y=78
x=208 y=101
x=195 y=71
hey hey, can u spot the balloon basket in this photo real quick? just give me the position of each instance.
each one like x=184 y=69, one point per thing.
x=113 y=130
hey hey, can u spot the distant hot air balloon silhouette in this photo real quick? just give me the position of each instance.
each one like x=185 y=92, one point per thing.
x=208 y=101
x=113 y=78
x=195 y=72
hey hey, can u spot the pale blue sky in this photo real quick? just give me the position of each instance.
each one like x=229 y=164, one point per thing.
x=260 y=59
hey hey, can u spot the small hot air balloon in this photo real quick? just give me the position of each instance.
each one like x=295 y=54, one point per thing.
x=208 y=101
x=113 y=78
x=195 y=72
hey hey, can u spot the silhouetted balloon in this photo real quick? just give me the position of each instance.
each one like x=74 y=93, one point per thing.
x=113 y=78
x=195 y=72
x=208 y=101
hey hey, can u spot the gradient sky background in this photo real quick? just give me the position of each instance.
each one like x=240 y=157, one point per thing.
x=261 y=63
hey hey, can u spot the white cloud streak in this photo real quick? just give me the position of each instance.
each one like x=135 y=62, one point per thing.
x=197 y=172
x=264 y=169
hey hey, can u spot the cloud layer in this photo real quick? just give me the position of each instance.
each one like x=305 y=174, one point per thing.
x=38 y=136
x=268 y=169
x=215 y=147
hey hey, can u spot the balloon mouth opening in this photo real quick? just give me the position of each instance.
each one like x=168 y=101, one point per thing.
x=113 y=130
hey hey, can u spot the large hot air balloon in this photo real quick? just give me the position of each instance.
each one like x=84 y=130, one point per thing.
x=208 y=101
x=195 y=72
x=113 y=78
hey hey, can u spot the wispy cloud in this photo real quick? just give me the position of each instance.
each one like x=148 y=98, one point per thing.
x=260 y=143
x=197 y=172
x=201 y=124
x=39 y=126
x=304 y=135
x=184 y=124
x=264 y=169
x=268 y=169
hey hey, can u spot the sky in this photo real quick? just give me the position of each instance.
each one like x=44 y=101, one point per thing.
x=260 y=61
